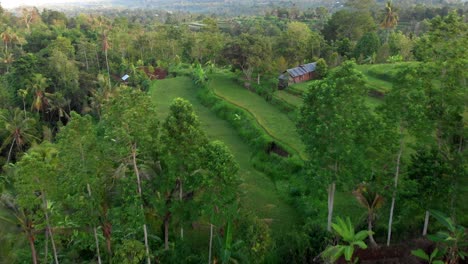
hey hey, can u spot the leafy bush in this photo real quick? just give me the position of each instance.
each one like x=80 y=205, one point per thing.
x=321 y=68
x=302 y=245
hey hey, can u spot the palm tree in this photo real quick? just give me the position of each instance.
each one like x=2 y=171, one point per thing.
x=6 y=38
x=20 y=130
x=105 y=47
x=23 y=93
x=58 y=104
x=8 y=58
x=102 y=94
x=38 y=87
x=19 y=217
x=390 y=18
x=371 y=201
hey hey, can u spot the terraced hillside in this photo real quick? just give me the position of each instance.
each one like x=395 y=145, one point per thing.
x=273 y=121
x=378 y=77
x=260 y=194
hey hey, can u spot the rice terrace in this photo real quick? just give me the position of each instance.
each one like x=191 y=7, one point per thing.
x=243 y=131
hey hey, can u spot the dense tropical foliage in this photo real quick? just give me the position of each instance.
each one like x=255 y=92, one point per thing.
x=134 y=137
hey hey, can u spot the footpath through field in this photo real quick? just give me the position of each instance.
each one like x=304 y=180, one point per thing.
x=259 y=193
x=273 y=121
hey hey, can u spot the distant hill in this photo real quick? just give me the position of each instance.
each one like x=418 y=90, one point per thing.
x=198 y=6
x=229 y=7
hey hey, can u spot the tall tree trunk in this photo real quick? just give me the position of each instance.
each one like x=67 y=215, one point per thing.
x=331 y=200
x=11 y=149
x=108 y=69
x=369 y=228
x=166 y=230
x=86 y=60
x=258 y=78
x=180 y=199
x=426 y=223
x=54 y=249
x=94 y=230
x=97 y=60
x=46 y=247
x=211 y=243
x=106 y=231
x=33 y=247
x=145 y=231
x=397 y=174
x=24 y=107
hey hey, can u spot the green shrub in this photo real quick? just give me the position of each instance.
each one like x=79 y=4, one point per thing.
x=302 y=245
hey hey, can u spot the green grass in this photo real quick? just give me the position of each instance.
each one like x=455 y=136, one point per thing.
x=276 y=123
x=303 y=87
x=372 y=80
x=289 y=98
x=373 y=102
x=259 y=192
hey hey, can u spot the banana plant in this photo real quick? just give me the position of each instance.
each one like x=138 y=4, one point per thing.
x=452 y=240
x=346 y=231
x=372 y=201
x=435 y=257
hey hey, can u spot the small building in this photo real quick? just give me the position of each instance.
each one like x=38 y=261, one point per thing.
x=299 y=74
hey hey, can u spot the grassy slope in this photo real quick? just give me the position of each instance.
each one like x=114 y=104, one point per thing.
x=289 y=98
x=260 y=195
x=275 y=122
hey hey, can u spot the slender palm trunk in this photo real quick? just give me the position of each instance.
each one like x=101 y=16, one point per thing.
x=11 y=149
x=331 y=200
x=145 y=231
x=24 y=107
x=86 y=60
x=95 y=232
x=426 y=223
x=54 y=249
x=33 y=248
x=46 y=247
x=397 y=174
x=211 y=243
x=166 y=230
x=106 y=230
x=108 y=69
x=180 y=199
x=369 y=228
x=97 y=60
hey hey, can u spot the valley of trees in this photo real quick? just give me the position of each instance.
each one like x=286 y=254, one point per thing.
x=366 y=162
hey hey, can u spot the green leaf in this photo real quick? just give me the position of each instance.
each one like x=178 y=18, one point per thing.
x=434 y=253
x=420 y=254
x=360 y=244
x=361 y=235
x=436 y=238
x=443 y=219
x=333 y=253
x=348 y=252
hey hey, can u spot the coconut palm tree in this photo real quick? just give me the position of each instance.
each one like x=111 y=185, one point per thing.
x=58 y=104
x=105 y=47
x=19 y=217
x=390 y=18
x=6 y=38
x=38 y=87
x=371 y=201
x=19 y=128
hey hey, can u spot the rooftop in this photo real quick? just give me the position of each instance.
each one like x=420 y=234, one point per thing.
x=302 y=69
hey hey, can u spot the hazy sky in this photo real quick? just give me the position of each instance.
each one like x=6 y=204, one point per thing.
x=15 y=3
